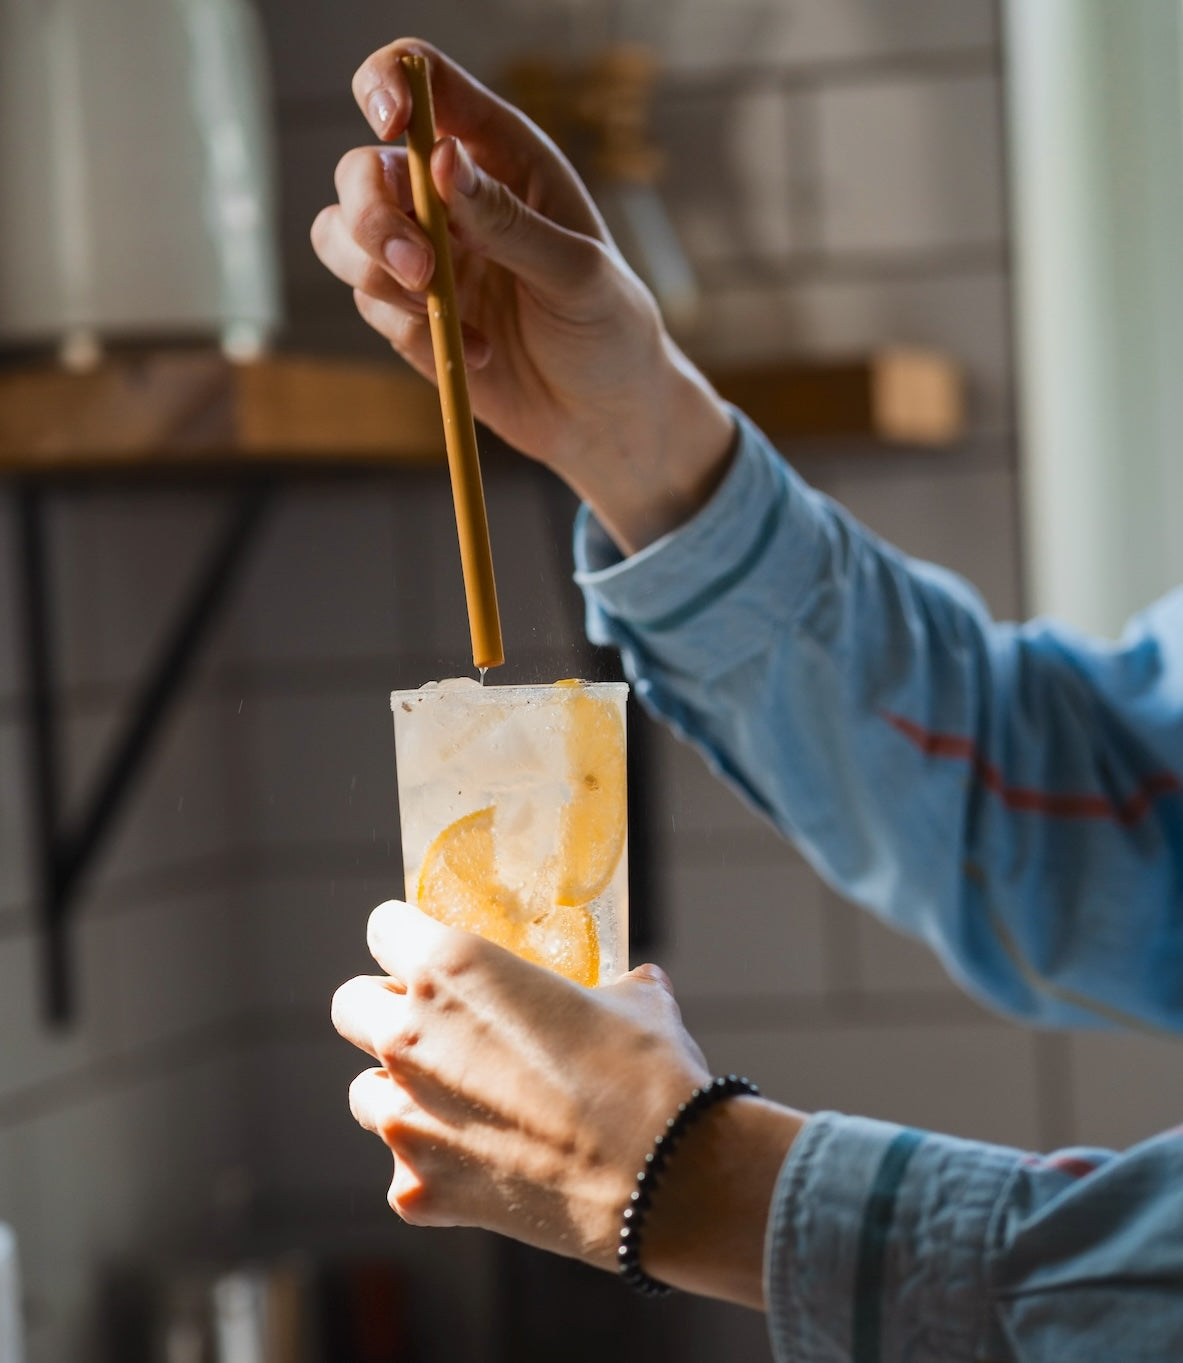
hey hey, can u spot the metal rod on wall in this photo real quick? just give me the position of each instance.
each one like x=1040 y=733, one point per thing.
x=65 y=853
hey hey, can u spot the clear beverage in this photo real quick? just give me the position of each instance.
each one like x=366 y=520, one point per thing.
x=513 y=806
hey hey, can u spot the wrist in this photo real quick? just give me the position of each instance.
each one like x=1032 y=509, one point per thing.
x=704 y=1229
x=697 y=444
x=650 y=473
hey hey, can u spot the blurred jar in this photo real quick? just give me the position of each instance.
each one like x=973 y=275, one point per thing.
x=136 y=175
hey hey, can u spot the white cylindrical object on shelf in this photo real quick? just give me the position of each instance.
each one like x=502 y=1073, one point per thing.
x=136 y=172
x=12 y=1348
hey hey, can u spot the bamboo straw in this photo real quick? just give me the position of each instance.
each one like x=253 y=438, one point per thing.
x=472 y=525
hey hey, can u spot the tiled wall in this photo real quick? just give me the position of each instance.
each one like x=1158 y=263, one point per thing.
x=835 y=169
x=119 y=1135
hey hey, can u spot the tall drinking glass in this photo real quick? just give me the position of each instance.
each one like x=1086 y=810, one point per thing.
x=513 y=806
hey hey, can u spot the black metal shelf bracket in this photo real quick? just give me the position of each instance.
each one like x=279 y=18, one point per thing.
x=66 y=851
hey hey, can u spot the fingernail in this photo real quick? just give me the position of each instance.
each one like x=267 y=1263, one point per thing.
x=464 y=174
x=408 y=260
x=381 y=109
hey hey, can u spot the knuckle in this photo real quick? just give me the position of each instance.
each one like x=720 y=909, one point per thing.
x=592 y=267
x=412 y=1198
x=404 y=328
x=411 y=43
x=356 y=1095
x=375 y=315
x=393 y=161
x=374 y=925
x=456 y=956
x=322 y=226
x=377 y=925
x=435 y=974
x=340 y=1006
x=424 y=988
x=396 y=1044
x=591 y=259
x=371 y=225
x=374 y=280
x=367 y=77
x=378 y=68
x=504 y=211
x=352 y=166
x=396 y=1125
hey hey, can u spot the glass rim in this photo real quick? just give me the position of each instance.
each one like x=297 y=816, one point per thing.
x=493 y=692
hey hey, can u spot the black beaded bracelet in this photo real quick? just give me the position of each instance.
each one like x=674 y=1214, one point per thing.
x=628 y=1252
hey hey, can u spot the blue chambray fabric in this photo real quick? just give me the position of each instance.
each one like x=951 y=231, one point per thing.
x=1011 y=794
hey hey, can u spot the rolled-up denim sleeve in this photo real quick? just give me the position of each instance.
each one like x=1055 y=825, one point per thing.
x=890 y=1245
x=1011 y=795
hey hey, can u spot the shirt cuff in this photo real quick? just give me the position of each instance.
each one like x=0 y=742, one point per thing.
x=748 y=557
x=877 y=1244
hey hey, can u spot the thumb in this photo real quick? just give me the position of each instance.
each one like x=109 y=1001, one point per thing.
x=493 y=222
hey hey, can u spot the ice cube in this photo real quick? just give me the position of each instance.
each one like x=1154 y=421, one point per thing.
x=550 y=937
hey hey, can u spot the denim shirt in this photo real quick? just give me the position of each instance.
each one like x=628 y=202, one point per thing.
x=1010 y=794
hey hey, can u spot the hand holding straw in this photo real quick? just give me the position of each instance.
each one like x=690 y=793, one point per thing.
x=443 y=314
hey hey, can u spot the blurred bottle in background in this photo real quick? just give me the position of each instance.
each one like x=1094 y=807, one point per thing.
x=285 y=1310
x=598 y=109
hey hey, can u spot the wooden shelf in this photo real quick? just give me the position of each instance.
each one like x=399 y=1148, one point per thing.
x=894 y=396
x=181 y=408
x=185 y=407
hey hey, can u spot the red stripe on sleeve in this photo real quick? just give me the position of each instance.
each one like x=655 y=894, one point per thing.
x=1073 y=1165
x=1028 y=799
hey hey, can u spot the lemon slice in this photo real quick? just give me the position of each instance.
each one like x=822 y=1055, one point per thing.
x=593 y=822
x=458 y=884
